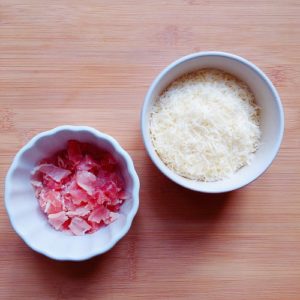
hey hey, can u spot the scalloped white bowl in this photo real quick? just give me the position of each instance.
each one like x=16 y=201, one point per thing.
x=271 y=123
x=29 y=221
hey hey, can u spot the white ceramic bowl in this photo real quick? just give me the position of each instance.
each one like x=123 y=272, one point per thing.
x=272 y=118
x=30 y=222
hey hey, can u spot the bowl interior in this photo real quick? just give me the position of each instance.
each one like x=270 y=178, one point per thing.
x=31 y=224
x=271 y=121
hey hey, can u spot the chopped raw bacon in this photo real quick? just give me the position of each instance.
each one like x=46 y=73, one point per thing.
x=110 y=190
x=74 y=151
x=80 y=211
x=80 y=189
x=79 y=226
x=123 y=195
x=86 y=181
x=54 y=172
x=36 y=183
x=77 y=194
x=102 y=198
x=53 y=202
x=56 y=220
x=88 y=164
x=68 y=204
x=108 y=163
x=51 y=184
x=102 y=214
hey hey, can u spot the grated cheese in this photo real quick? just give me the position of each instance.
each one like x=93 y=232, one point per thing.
x=205 y=125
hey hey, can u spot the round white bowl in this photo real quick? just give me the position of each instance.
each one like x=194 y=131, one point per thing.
x=30 y=222
x=272 y=118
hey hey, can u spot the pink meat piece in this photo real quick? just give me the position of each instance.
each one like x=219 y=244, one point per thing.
x=78 y=195
x=80 y=189
x=57 y=219
x=80 y=211
x=95 y=226
x=37 y=193
x=38 y=187
x=51 y=184
x=87 y=181
x=37 y=179
x=88 y=164
x=54 y=172
x=79 y=226
x=36 y=183
x=42 y=197
x=53 y=202
x=74 y=151
x=123 y=195
x=116 y=207
x=117 y=180
x=102 y=214
x=91 y=204
x=110 y=190
x=68 y=204
x=102 y=198
x=48 y=160
x=108 y=162
x=103 y=177
x=63 y=161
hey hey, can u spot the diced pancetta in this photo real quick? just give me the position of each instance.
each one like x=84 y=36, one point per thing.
x=53 y=202
x=86 y=180
x=74 y=151
x=54 y=172
x=80 y=189
x=123 y=195
x=87 y=164
x=79 y=211
x=102 y=214
x=77 y=194
x=57 y=219
x=79 y=226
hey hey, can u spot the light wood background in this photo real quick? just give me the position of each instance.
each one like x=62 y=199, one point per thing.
x=90 y=63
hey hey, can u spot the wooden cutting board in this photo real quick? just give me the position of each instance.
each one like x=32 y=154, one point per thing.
x=90 y=63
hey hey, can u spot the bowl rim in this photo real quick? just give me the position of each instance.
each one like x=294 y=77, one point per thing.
x=147 y=142
x=117 y=148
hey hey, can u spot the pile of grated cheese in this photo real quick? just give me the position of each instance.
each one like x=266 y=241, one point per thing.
x=205 y=125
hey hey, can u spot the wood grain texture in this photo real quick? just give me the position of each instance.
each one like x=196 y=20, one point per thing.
x=90 y=63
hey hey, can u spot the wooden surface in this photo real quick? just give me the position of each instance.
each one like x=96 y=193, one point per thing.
x=90 y=63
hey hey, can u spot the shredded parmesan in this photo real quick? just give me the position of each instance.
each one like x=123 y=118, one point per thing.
x=205 y=125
